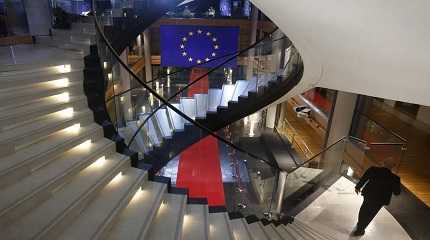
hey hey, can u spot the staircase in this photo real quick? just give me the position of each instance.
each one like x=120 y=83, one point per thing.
x=61 y=179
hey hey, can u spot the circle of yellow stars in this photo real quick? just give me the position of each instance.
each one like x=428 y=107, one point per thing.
x=183 y=46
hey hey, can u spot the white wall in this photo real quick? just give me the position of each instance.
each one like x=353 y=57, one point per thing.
x=372 y=47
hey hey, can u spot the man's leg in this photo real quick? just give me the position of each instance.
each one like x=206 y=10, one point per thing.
x=368 y=211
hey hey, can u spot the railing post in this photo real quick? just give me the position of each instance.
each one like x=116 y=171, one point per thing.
x=280 y=191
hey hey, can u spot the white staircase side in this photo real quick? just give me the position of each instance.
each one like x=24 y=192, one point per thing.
x=240 y=87
x=202 y=105
x=239 y=229
x=214 y=99
x=150 y=130
x=163 y=123
x=54 y=215
x=189 y=107
x=227 y=94
x=16 y=166
x=252 y=87
x=30 y=191
x=135 y=220
x=167 y=224
x=177 y=121
x=99 y=215
x=219 y=228
x=140 y=141
x=195 y=225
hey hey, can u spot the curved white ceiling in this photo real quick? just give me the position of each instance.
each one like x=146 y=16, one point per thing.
x=372 y=47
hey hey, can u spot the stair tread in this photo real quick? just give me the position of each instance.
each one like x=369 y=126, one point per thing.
x=76 y=158
x=195 y=224
x=108 y=203
x=319 y=234
x=137 y=217
x=43 y=218
x=18 y=80
x=41 y=107
x=271 y=232
x=39 y=87
x=48 y=123
x=239 y=229
x=169 y=217
x=218 y=227
x=49 y=144
x=256 y=231
x=293 y=232
x=284 y=233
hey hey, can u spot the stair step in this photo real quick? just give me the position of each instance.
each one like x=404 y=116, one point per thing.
x=41 y=78
x=227 y=94
x=177 y=121
x=25 y=113
x=196 y=224
x=304 y=233
x=135 y=221
x=52 y=216
x=189 y=107
x=239 y=229
x=44 y=67
x=163 y=123
x=167 y=224
x=256 y=231
x=15 y=167
x=318 y=234
x=202 y=105
x=293 y=232
x=99 y=215
x=20 y=136
x=280 y=229
x=214 y=99
x=36 y=187
x=34 y=91
x=240 y=87
x=218 y=227
x=271 y=232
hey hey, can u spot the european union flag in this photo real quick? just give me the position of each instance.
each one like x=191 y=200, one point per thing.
x=185 y=46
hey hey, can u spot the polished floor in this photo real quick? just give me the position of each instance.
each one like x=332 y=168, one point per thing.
x=414 y=169
x=335 y=212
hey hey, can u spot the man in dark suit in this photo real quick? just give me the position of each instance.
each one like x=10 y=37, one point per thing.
x=379 y=184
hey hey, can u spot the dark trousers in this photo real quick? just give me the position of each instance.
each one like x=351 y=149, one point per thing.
x=368 y=211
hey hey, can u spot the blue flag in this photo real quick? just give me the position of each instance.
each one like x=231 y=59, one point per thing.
x=185 y=46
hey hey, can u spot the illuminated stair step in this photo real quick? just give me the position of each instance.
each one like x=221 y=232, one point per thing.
x=171 y=214
x=136 y=219
x=219 y=228
x=256 y=231
x=95 y=220
x=23 y=162
x=196 y=225
x=29 y=192
x=239 y=229
x=284 y=233
x=58 y=212
x=270 y=231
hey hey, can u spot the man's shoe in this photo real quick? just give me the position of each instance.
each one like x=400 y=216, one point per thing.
x=358 y=233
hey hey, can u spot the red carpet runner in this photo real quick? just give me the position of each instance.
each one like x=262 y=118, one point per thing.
x=199 y=167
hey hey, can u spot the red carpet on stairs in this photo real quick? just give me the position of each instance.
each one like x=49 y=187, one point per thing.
x=199 y=167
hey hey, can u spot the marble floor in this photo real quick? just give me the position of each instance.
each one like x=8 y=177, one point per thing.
x=335 y=212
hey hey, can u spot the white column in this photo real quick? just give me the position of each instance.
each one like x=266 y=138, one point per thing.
x=147 y=52
x=271 y=116
x=38 y=16
x=424 y=114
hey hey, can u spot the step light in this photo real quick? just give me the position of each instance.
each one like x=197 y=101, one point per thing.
x=143 y=109
x=110 y=77
x=117 y=178
x=60 y=83
x=99 y=162
x=211 y=228
x=64 y=68
x=63 y=97
x=66 y=113
x=105 y=65
x=74 y=129
x=85 y=145
x=138 y=195
x=187 y=219
x=163 y=206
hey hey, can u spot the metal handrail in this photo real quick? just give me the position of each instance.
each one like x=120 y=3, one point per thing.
x=165 y=102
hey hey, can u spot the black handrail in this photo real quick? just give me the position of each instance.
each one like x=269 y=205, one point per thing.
x=195 y=65
x=177 y=111
x=189 y=85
